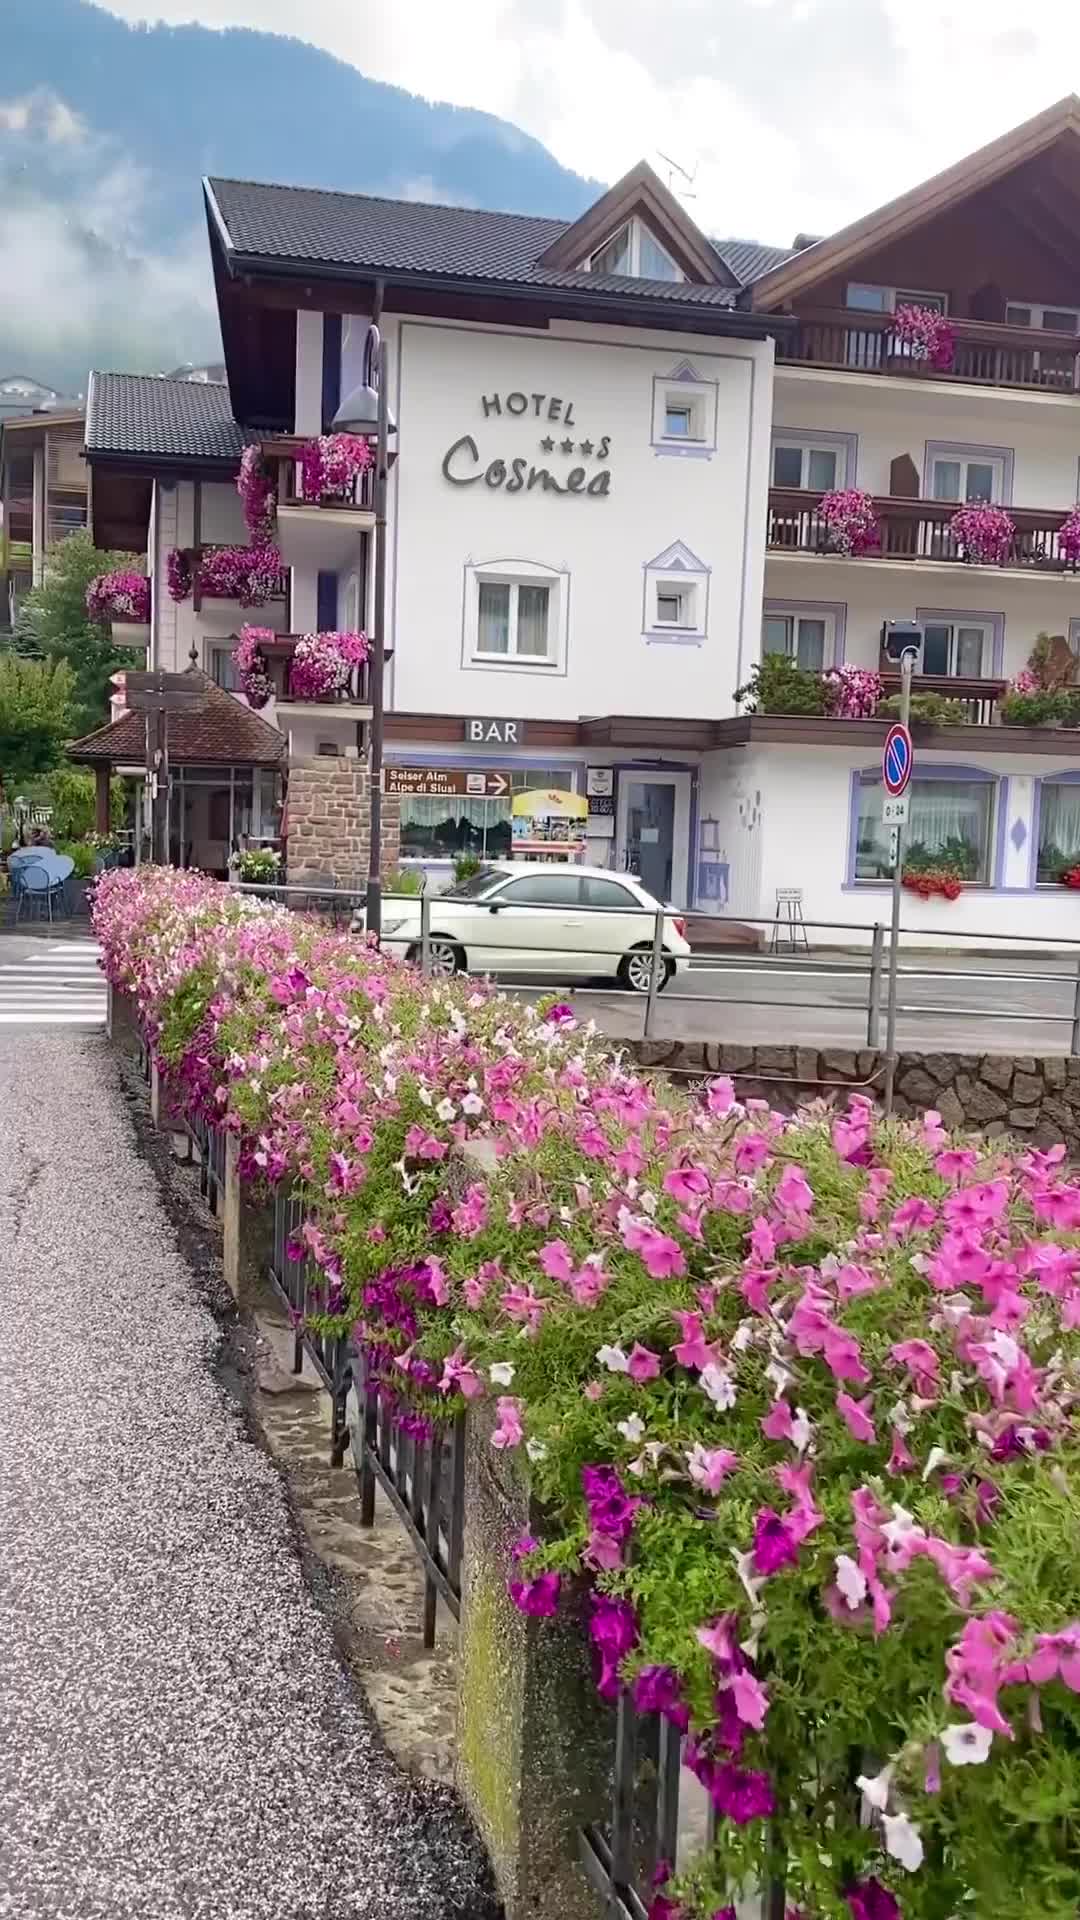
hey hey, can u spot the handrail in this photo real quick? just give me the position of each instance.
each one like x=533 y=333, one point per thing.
x=914 y=529
x=985 y=353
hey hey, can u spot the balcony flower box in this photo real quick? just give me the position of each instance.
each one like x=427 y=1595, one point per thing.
x=322 y=664
x=250 y=662
x=852 y=693
x=330 y=467
x=921 y=333
x=1068 y=540
x=249 y=575
x=984 y=534
x=122 y=597
x=258 y=498
x=179 y=574
x=850 y=521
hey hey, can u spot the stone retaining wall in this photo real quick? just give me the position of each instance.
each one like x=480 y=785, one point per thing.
x=989 y=1093
x=330 y=820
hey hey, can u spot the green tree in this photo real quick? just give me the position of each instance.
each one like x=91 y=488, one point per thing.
x=72 y=796
x=53 y=625
x=35 y=717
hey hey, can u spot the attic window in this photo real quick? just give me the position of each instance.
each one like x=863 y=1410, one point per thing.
x=635 y=252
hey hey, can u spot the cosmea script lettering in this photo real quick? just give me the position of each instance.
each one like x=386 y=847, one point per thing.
x=463 y=465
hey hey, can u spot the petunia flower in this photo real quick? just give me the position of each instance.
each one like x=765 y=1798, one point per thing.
x=903 y=1841
x=967 y=1745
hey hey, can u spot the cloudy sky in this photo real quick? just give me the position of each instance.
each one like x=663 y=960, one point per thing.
x=791 y=114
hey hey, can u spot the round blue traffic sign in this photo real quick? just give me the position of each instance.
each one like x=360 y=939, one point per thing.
x=896 y=760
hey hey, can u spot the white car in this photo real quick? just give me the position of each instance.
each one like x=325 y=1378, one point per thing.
x=571 y=922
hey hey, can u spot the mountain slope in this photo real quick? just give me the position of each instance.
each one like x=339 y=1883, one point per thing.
x=105 y=130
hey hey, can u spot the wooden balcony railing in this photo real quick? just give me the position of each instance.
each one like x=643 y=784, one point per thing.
x=282 y=455
x=986 y=354
x=914 y=530
x=278 y=654
x=200 y=592
x=979 y=696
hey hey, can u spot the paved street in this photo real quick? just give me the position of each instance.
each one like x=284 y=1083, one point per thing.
x=52 y=982
x=956 y=1003
x=178 y=1740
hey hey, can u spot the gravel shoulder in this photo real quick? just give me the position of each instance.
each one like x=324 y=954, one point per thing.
x=179 y=1739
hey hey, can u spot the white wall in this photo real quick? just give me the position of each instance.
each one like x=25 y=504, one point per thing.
x=895 y=417
x=597 y=546
x=805 y=800
x=179 y=625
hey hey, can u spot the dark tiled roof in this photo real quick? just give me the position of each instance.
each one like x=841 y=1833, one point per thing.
x=358 y=232
x=218 y=732
x=143 y=414
x=749 y=259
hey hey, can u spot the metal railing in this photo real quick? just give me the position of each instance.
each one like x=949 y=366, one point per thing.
x=209 y=1144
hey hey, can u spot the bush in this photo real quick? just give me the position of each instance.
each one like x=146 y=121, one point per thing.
x=405 y=880
x=71 y=796
x=259 y=866
x=83 y=855
x=797 y=1398
x=927 y=710
x=1041 y=709
x=777 y=685
x=465 y=865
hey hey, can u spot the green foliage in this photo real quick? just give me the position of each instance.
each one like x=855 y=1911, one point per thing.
x=927 y=710
x=72 y=796
x=260 y=866
x=405 y=880
x=35 y=717
x=53 y=625
x=1045 y=708
x=954 y=855
x=778 y=685
x=465 y=866
x=83 y=855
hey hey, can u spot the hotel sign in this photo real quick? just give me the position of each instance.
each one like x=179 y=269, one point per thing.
x=463 y=464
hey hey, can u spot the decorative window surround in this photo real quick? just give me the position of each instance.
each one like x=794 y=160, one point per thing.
x=634 y=249
x=675 y=574
x=962 y=616
x=682 y=390
x=1004 y=457
x=1070 y=778
x=516 y=573
x=844 y=445
x=833 y=612
x=871 y=776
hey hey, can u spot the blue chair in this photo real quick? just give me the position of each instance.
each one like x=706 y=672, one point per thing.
x=18 y=862
x=42 y=884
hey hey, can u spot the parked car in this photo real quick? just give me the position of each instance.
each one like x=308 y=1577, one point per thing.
x=572 y=922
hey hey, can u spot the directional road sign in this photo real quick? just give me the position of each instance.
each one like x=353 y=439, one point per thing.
x=896 y=760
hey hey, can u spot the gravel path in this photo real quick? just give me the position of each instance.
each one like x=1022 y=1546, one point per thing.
x=177 y=1737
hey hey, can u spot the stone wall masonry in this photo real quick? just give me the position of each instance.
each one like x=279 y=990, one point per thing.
x=330 y=821
x=1036 y=1099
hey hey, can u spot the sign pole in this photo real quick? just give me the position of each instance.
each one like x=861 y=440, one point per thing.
x=899 y=835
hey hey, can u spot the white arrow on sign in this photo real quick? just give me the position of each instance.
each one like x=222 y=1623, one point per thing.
x=497 y=783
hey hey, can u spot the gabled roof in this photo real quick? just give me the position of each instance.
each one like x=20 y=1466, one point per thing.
x=749 y=259
x=641 y=192
x=142 y=416
x=217 y=732
x=944 y=191
x=264 y=227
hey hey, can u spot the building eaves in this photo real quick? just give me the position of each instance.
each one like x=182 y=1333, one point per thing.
x=144 y=417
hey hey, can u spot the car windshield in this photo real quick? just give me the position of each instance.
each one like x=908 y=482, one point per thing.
x=477 y=884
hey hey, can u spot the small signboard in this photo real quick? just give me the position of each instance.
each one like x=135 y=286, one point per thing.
x=453 y=781
x=599 y=785
x=894 y=809
x=896 y=760
x=482 y=730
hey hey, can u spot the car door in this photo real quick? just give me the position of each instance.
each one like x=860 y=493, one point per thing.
x=623 y=924
x=535 y=925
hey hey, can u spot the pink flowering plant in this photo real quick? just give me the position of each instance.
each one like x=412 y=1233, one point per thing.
x=122 y=595
x=250 y=575
x=322 y=664
x=852 y=693
x=1068 y=539
x=331 y=465
x=984 y=533
x=925 y=334
x=850 y=521
x=797 y=1398
x=179 y=574
x=258 y=498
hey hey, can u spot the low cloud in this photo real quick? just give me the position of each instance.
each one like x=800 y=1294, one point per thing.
x=74 y=213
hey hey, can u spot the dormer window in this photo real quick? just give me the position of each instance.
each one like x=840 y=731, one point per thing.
x=634 y=251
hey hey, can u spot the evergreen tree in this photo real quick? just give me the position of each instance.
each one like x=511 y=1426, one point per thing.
x=53 y=624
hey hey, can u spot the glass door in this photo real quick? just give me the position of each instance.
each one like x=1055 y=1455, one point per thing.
x=653 y=836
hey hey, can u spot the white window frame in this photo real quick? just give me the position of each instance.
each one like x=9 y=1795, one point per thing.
x=1041 y=308
x=985 y=626
x=964 y=457
x=792 y=616
x=633 y=272
x=894 y=296
x=684 y=593
x=806 y=445
x=516 y=574
x=682 y=392
x=676 y=574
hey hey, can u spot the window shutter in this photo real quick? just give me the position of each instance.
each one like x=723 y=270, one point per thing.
x=904 y=481
x=988 y=303
x=326 y=603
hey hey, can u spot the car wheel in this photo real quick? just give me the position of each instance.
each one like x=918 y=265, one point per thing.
x=635 y=970
x=444 y=957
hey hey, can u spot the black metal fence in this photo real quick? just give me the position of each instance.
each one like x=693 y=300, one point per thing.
x=622 y=1855
x=209 y=1143
x=423 y=1476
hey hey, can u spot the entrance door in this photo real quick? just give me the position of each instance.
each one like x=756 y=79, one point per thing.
x=654 y=832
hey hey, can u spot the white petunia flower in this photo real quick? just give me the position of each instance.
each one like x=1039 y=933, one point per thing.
x=719 y=1385
x=632 y=1430
x=850 y=1581
x=967 y=1745
x=743 y=1337
x=425 y=1095
x=903 y=1840
x=780 y=1376
x=801 y=1430
x=614 y=1359
x=446 y=1110
x=876 y=1789
x=936 y=1458
x=501 y=1373
x=536 y=1450
x=472 y=1105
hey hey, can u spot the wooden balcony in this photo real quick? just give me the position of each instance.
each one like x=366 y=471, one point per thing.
x=278 y=654
x=986 y=355
x=282 y=457
x=914 y=531
x=199 y=592
x=978 y=696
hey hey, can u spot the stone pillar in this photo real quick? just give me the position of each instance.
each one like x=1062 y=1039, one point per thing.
x=330 y=821
x=534 y=1743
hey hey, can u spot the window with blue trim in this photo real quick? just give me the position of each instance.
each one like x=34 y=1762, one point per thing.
x=1059 y=830
x=950 y=824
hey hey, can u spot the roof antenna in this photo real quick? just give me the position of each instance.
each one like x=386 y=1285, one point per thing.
x=686 y=191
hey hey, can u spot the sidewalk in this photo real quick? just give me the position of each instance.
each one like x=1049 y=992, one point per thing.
x=178 y=1738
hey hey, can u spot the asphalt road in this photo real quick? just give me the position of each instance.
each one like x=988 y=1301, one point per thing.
x=946 y=1002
